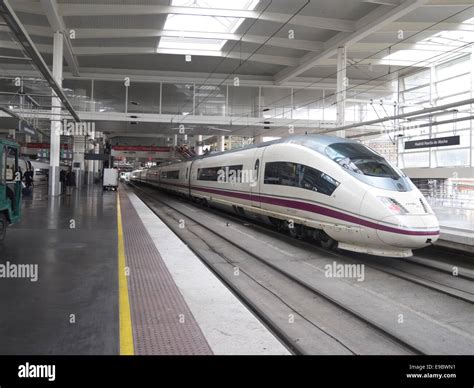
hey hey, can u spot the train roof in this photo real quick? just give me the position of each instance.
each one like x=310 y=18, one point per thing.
x=313 y=141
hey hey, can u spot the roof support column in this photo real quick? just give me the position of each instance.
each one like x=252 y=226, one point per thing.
x=199 y=145
x=78 y=162
x=55 y=137
x=220 y=143
x=341 y=89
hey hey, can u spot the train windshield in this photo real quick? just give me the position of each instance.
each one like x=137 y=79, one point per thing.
x=368 y=166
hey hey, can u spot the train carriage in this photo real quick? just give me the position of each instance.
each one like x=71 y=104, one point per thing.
x=335 y=190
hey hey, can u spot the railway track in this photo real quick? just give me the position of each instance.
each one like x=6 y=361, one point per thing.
x=406 y=345
x=459 y=286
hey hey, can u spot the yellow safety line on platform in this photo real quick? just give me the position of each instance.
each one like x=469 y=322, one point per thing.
x=126 y=335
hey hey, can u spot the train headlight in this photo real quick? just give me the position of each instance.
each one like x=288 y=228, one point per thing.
x=393 y=205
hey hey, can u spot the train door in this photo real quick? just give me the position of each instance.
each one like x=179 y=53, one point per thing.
x=256 y=176
x=188 y=176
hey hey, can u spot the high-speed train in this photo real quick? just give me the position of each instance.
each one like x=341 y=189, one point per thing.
x=334 y=190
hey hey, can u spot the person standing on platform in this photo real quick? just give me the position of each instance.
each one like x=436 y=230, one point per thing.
x=70 y=180
x=62 y=179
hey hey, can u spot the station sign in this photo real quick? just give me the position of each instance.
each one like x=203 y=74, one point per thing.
x=96 y=156
x=434 y=142
x=24 y=127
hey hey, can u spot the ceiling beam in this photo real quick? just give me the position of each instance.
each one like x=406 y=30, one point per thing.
x=124 y=33
x=449 y=3
x=121 y=50
x=381 y=16
x=176 y=77
x=391 y=3
x=29 y=47
x=137 y=9
x=56 y=22
x=377 y=47
x=409 y=27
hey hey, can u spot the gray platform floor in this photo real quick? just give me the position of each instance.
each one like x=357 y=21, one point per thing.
x=73 y=307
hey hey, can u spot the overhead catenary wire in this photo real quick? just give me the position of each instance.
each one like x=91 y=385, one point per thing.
x=232 y=48
x=361 y=60
x=426 y=61
x=254 y=52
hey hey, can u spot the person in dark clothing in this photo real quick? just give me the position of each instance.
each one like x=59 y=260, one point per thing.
x=62 y=179
x=28 y=178
x=70 y=180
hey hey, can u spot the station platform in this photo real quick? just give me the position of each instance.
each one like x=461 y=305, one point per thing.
x=102 y=274
x=456 y=228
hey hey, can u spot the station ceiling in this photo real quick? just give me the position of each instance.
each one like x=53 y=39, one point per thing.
x=279 y=42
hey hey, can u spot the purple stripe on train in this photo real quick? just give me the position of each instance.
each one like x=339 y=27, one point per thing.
x=309 y=208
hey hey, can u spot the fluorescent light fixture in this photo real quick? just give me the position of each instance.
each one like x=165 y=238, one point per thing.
x=202 y=23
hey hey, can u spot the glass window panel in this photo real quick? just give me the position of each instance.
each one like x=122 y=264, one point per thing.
x=416 y=96
x=452 y=157
x=415 y=159
x=454 y=85
x=300 y=176
x=243 y=101
x=210 y=100
x=144 y=97
x=177 y=99
x=109 y=96
x=448 y=100
x=452 y=68
x=78 y=93
x=278 y=101
x=417 y=79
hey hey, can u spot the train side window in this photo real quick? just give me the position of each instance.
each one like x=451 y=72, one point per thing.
x=210 y=174
x=299 y=175
x=170 y=174
x=315 y=180
x=281 y=173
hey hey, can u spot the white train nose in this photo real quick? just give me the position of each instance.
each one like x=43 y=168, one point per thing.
x=409 y=231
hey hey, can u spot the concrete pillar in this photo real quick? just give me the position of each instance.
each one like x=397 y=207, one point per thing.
x=89 y=165
x=220 y=143
x=199 y=145
x=341 y=90
x=175 y=140
x=55 y=137
x=78 y=159
x=97 y=162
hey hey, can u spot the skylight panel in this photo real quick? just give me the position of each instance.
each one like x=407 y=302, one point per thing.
x=191 y=44
x=202 y=23
x=448 y=38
